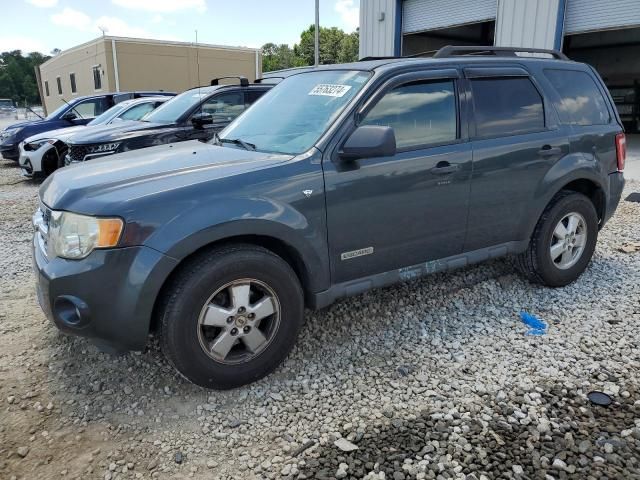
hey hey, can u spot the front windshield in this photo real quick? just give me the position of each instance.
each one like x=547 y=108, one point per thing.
x=293 y=116
x=107 y=116
x=172 y=110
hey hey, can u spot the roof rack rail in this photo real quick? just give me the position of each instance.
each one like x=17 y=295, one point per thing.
x=243 y=80
x=454 y=50
x=263 y=79
x=367 y=59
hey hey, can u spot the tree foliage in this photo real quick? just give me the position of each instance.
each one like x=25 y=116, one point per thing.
x=336 y=46
x=18 y=78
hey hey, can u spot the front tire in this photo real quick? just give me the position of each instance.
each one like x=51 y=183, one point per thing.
x=563 y=241
x=231 y=316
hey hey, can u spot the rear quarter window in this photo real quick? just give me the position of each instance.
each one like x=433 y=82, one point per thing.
x=581 y=102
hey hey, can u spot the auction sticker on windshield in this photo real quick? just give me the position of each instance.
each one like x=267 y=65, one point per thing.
x=329 y=90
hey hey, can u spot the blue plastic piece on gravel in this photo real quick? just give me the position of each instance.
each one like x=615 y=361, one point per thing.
x=538 y=327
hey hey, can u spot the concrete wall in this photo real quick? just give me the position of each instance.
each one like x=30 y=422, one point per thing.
x=79 y=60
x=143 y=65
x=174 y=67
x=526 y=23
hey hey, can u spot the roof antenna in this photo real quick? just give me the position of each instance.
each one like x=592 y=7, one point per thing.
x=198 y=60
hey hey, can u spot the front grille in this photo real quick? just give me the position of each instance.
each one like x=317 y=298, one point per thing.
x=77 y=153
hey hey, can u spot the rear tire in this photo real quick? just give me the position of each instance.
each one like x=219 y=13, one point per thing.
x=556 y=255
x=231 y=316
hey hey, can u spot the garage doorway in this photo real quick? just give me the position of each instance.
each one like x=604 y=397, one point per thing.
x=481 y=33
x=615 y=54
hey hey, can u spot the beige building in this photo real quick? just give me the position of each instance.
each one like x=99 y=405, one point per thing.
x=116 y=64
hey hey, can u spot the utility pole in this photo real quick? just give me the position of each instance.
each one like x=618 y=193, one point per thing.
x=317 y=46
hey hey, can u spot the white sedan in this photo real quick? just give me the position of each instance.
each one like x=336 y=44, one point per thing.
x=42 y=154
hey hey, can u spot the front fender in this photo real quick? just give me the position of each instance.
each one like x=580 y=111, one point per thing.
x=302 y=231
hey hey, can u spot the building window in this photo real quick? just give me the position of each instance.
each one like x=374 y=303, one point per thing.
x=72 y=81
x=59 y=85
x=506 y=106
x=97 y=79
x=421 y=113
x=46 y=88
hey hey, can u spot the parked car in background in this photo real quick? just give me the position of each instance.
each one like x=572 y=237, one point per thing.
x=341 y=179
x=42 y=154
x=8 y=107
x=196 y=114
x=77 y=111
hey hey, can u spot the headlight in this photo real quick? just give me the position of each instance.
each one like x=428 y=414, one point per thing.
x=104 y=148
x=9 y=133
x=32 y=146
x=76 y=236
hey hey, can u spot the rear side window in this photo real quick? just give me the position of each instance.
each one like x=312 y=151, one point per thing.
x=224 y=107
x=420 y=113
x=137 y=112
x=506 y=106
x=581 y=102
x=253 y=95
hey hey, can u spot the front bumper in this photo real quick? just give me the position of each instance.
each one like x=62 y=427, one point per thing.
x=10 y=151
x=31 y=161
x=108 y=296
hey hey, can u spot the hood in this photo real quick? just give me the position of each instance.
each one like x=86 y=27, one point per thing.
x=24 y=124
x=110 y=185
x=59 y=134
x=117 y=132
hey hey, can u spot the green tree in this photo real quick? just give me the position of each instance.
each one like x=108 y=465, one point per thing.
x=18 y=78
x=336 y=46
x=350 y=48
x=330 y=45
x=278 y=57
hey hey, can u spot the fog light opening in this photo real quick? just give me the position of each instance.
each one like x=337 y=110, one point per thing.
x=71 y=311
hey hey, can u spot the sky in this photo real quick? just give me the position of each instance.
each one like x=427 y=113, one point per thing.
x=42 y=25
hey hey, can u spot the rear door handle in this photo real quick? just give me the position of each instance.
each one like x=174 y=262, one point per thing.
x=444 y=168
x=549 y=151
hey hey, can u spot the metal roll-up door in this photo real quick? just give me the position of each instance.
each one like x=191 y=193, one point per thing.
x=593 y=15
x=422 y=15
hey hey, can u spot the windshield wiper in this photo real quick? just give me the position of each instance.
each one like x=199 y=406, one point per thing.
x=236 y=141
x=35 y=113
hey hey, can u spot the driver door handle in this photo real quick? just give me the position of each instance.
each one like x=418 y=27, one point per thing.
x=444 y=168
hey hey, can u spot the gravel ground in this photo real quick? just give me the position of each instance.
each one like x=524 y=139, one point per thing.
x=430 y=379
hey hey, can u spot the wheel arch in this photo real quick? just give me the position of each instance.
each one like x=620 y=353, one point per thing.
x=49 y=161
x=591 y=190
x=584 y=181
x=276 y=245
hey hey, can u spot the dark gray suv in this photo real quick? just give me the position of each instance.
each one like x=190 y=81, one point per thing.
x=341 y=179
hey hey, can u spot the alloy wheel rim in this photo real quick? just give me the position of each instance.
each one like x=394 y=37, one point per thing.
x=239 y=321
x=568 y=241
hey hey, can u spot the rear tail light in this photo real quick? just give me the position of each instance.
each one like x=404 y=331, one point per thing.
x=621 y=150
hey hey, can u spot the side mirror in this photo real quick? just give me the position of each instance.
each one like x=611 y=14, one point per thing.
x=201 y=119
x=369 y=141
x=70 y=116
